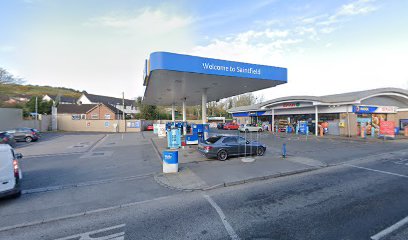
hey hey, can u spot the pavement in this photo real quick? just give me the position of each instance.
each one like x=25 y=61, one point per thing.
x=333 y=189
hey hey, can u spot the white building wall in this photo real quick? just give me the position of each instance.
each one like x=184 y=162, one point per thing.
x=84 y=100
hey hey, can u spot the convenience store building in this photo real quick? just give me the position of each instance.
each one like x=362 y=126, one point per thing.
x=345 y=113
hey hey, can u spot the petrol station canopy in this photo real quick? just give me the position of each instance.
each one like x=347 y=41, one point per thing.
x=172 y=78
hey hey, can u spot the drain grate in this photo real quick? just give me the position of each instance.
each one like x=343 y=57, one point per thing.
x=78 y=146
x=111 y=143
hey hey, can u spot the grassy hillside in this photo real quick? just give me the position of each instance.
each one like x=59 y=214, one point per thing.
x=13 y=90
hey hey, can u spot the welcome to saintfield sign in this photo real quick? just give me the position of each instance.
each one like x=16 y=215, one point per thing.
x=238 y=69
x=201 y=65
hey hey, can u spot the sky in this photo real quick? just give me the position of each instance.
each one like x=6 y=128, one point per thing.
x=100 y=46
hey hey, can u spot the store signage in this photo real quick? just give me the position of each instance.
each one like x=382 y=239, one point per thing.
x=133 y=124
x=374 y=109
x=387 y=128
x=291 y=105
x=259 y=113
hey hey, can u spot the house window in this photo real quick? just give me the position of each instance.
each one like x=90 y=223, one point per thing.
x=107 y=116
x=83 y=116
x=94 y=116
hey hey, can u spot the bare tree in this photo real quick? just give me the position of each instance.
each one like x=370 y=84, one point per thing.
x=246 y=99
x=8 y=78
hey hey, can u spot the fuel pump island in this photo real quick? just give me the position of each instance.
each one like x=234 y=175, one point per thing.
x=176 y=79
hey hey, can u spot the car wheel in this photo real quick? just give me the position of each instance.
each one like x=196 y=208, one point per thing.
x=16 y=195
x=260 y=151
x=222 y=155
x=246 y=130
x=260 y=130
x=28 y=139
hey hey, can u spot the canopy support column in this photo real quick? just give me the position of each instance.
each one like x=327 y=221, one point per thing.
x=273 y=121
x=173 y=113
x=204 y=106
x=316 y=121
x=184 y=117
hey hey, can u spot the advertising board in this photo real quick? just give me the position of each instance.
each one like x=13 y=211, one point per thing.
x=387 y=128
x=161 y=130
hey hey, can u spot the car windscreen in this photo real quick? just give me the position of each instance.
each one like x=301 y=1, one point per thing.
x=212 y=140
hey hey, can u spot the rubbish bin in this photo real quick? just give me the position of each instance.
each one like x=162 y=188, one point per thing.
x=396 y=130
x=170 y=161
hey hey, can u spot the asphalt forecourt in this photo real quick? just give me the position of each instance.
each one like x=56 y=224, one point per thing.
x=116 y=189
x=115 y=169
x=354 y=201
x=196 y=172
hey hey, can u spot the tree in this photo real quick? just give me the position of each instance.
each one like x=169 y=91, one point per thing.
x=44 y=107
x=246 y=99
x=148 y=112
x=8 y=78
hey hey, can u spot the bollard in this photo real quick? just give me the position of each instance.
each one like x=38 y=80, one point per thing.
x=284 y=150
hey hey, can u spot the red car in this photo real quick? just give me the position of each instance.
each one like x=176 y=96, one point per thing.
x=231 y=126
x=149 y=128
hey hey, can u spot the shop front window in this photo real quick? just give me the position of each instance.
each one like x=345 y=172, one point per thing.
x=403 y=124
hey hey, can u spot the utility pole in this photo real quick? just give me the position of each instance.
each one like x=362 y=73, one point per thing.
x=36 y=108
x=123 y=103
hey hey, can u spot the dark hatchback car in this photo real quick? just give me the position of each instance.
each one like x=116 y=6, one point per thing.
x=25 y=134
x=6 y=138
x=222 y=147
x=220 y=125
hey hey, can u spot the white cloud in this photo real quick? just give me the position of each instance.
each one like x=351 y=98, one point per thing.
x=145 y=21
x=359 y=7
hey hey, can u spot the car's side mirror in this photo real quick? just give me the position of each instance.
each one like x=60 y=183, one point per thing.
x=19 y=155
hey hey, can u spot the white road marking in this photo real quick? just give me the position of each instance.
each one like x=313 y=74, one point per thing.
x=86 y=184
x=227 y=226
x=87 y=235
x=390 y=229
x=375 y=170
x=81 y=214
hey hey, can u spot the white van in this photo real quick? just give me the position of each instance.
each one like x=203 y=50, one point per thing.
x=10 y=172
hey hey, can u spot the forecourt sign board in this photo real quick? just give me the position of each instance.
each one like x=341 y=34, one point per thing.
x=171 y=78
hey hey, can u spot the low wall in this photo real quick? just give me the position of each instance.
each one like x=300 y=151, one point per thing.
x=13 y=118
x=65 y=123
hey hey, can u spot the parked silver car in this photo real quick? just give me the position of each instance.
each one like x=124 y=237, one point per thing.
x=25 y=134
x=222 y=147
x=250 y=128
